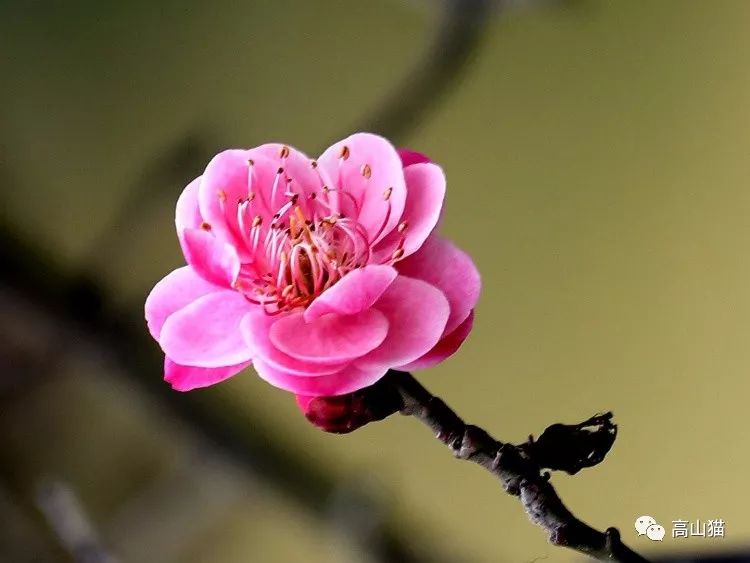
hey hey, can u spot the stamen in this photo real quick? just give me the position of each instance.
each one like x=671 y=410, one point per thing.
x=206 y=226
x=275 y=187
x=250 y=164
x=387 y=194
x=293 y=265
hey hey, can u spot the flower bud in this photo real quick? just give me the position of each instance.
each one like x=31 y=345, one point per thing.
x=345 y=413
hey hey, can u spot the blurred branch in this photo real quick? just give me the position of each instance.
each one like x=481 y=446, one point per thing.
x=80 y=307
x=67 y=519
x=456 y=41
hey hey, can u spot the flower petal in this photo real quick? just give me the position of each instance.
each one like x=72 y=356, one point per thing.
x=187 y=213
x=409 y=157
x=299 y=175
x=416 y=313
x=174 y=291
x=349 y=379
x=239 y=186
x=214 y=260
x=207 y=333
x=425 y=192
x=371 y=168
x=224 y=182
x=355 y=292
x=256 y=326
x=187 y=378
x=447 y=346
x=330 y=338
x=440 y=263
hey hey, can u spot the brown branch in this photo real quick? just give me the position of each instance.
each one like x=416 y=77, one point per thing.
x=520 y=468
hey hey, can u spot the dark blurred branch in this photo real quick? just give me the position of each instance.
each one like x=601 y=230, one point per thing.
x=436 y=73
x=81 y=310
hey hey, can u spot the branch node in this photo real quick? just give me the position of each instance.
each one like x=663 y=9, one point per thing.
x=612 y=541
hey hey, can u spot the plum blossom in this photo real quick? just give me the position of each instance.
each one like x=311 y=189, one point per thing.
x=323 y=274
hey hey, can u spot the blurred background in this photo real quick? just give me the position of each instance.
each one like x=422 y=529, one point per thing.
x=597 y=163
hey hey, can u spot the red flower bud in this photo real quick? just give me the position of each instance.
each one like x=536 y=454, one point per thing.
x=345 y=413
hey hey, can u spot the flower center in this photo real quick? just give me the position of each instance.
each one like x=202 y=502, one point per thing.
x=309 y=245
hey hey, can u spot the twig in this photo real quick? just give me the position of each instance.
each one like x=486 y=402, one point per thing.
x=520 y=468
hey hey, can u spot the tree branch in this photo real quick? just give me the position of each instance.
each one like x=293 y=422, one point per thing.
x=520 y=468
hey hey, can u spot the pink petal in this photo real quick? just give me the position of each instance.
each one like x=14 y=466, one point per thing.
x=409 y=157
x=207 y=333
x=239 y=186
x=447 y=346
x=214 y=260
x=223 y=184
x=371 y=168
x=231 y=181
x=187 y=378
x=416 y=313
x=300 y=176
x=330 y=338
x=355 y=292
x=187 y=214
x=256 y=327
x=425 y=185
x=347 y=380
x=176 y=290
x=451 y=270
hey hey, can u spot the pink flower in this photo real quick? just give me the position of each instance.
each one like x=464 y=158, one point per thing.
x=322 y=274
